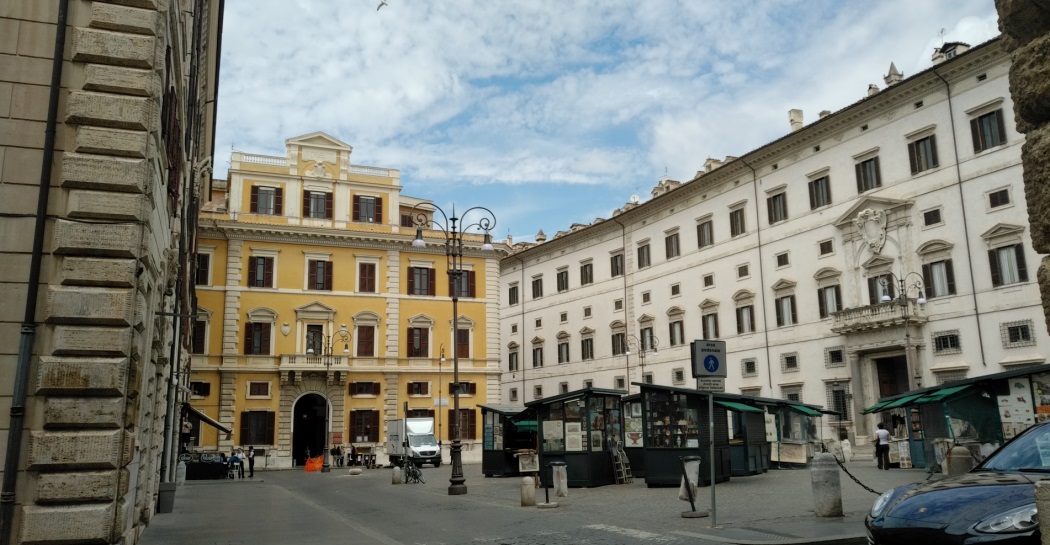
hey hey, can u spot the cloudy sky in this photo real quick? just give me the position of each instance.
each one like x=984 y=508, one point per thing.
x=554 y=112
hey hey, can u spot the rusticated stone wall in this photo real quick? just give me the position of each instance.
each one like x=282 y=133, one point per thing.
x=1025 y=25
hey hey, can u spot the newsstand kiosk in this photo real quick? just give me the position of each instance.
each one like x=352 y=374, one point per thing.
x=675 y=424
x=580 y=428
x=508 y=430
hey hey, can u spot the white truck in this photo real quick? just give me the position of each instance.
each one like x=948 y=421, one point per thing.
x=412 y=438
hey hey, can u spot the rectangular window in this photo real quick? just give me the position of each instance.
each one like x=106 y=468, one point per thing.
x=743 y=271
x=646 y=334
x=938 y=278
x=257 y=428
x=537 y=356
x=563 y=352
x=749 y=367
x=676 y=289
x=364 y=426
x=705 y=234
x=462 y=284
x=671 y=249
x=317 y=205
x=197 y=344
x=563 y=317
x=988 y=131
x=736 y=222
x=468 y=426
x=619 y=383
x=257 y=339
x=421 y=281
x=709 y=280
x=786 y=314
x=880 y=287
x=826 y=247
x=463 y=343
x=678 y=376
x=783 y=260
x=366 y=277
x=819 y=192
x=1008 y=265
x=710 y=326
x=512 y=361
x=364 y=388
x=260 y=272
x=745 y=319
x=616 y=265
x=407 y=221
x=643 y=256
x=1019 y=333
x=677 y=332
x=923 y=154
x=834 y=357
x=586 y=274
x=418 y=342
x=931 y=217
x=619 y=344
x=776 y=205
x=266 y=200
x=829 y=299
x=513 y=394
x=258 y=388
x=563 y=281
x=537 y=392
x=563 y=387
x=366 y=341
x=646 y=297
x=868 y=175
x=789 y=362
x=512 y=295
x=418 y=388
x=200 y=389
x=946 y=344
x=587 y=349
x=618 y=304
x=203 y=269
x=838 y=401
x=586 y=312
x=319 y=275
x=999 y=198
x=368 y=209
x=314 y=339
x=537 y=288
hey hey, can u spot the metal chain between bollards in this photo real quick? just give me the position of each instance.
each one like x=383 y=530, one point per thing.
x=850 y=475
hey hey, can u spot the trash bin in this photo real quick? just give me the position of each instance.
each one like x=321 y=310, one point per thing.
x=560 y=477
x=690 y=471
x=166 y=498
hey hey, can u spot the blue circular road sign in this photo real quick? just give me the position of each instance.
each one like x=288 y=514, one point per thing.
x=711 y=363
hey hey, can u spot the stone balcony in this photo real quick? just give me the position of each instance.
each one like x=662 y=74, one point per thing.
x=879 y=316
x=301 y=363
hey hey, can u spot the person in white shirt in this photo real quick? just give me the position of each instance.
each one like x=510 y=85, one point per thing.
x=882 y=447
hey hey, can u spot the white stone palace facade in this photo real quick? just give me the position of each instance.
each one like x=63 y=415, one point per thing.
x=792 y=254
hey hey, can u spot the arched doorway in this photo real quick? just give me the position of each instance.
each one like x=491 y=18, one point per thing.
x=309 y=429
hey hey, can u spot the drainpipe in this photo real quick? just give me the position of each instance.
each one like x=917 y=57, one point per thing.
x=521 y=358
x=626 y=320
x=761 y=275
x=965 y=223
x=28 y=330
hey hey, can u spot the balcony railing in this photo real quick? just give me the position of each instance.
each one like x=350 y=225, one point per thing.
x=264 y=159
x=313 y=362
x=882 y=315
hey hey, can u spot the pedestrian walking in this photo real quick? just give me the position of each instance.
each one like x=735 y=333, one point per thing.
x=251 y=462
x=882 y=447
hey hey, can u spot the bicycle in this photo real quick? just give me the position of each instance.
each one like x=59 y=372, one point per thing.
x=411 y=473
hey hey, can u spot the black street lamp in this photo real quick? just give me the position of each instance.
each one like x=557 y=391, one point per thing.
x=903 y=285
x=453 y=228
x=646 y=344
x=328 y=359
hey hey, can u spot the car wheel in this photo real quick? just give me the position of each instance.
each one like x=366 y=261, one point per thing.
x=437 y=463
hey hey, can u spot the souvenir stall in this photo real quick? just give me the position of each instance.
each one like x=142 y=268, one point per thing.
x=748 y=442
x=507 y=431
x=675 y=424
x=797 y=439
x=580 y=428
x=634 y=440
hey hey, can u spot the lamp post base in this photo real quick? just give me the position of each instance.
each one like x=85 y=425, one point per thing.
x=326 y=468
x=457 y=486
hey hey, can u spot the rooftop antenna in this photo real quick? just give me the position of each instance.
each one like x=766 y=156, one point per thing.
x=941 y=33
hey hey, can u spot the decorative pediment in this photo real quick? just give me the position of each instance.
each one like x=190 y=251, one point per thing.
x=537 y=340
x=708 y=304
x=644 y=318
x=934 y=246
x=317 y=140
x=366 y=317
x=869 y=203
x=586 y=331
x=563 y=335
x=784 y=284
x=743 y=295
x=316 y=307
x=203 y=314
x=1003 y=232
x=877 y=261
x=421 y=320
x=675 y=311
x=826 y=273
x=465 y=322
x=262 y=314
x=617 y=324
x=512 y=345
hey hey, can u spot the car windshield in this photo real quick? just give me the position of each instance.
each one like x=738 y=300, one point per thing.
x=1027 y=452
x=421 y=440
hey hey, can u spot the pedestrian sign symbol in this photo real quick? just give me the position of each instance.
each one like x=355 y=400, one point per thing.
x=711 y=364
x=707 y=357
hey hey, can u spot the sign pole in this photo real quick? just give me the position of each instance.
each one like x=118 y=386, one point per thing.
x=708 y=362
x=711 y=450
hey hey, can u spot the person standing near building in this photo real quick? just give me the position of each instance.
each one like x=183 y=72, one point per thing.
x=251 y=462
x=882 y=447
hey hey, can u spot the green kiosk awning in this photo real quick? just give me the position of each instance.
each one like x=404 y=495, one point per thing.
x=526 y=425
x=900 y=402
x=738 y=407
x=804 y=410
x=876 y=407
x=939 y=395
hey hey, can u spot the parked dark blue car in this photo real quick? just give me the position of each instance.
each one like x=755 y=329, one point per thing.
x=994 y=503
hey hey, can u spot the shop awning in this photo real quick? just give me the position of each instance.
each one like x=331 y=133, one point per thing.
x=804 y=410
x=206 y=419
x=876 y=407
x=939 y=395
x=526 y=425
x=900 y=402
x=738 y=407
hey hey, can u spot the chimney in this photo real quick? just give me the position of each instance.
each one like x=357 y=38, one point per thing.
x=893 y=77
x=540 y=237
x=711 y=164
x=949 y=50
x=824 y=113
x=873 y=89
x=795 y=117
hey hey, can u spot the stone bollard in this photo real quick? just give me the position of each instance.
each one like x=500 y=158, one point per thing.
x=395 y=475
x=959 y=461
x=528 y=492
x=1042 y=502
x=356 y=471
x=827 y=491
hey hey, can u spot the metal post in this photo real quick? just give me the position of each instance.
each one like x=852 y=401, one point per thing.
x=711 y=450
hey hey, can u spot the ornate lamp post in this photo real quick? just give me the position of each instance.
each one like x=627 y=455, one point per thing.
x=646 y=344
x=453 y=228
x=328 y=359
x=904 y=284
x=441 y=402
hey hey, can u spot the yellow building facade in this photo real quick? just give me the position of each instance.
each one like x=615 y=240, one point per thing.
x=317 y=320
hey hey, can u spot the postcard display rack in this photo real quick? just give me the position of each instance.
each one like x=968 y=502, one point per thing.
x=581 y=429
x=676 y=425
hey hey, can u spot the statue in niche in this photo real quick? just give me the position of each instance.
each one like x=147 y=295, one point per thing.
x=871 y=224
